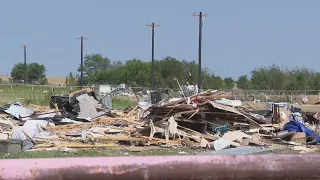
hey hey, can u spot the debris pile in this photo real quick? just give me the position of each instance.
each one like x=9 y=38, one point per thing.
x=210 y=120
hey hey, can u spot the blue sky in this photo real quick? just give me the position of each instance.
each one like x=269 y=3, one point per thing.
x=238 y=36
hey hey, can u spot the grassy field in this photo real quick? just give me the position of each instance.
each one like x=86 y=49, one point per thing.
x=130 y=151
x=30 y=94
x=122 y=102
x=40 y=95
x=139 y=151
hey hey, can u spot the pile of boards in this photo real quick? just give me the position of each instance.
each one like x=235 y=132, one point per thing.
x=207 y=120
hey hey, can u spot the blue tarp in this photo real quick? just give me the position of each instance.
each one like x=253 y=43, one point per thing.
x=296 y=126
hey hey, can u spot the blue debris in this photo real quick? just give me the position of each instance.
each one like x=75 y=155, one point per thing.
x=296 y=126
x=222 y=129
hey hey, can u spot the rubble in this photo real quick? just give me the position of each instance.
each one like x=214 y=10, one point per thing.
x=209 y=120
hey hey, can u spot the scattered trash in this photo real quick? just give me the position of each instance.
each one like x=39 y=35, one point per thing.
x=210 y=119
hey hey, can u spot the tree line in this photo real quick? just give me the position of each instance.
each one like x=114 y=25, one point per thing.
x=276 y=78
x=99 y=69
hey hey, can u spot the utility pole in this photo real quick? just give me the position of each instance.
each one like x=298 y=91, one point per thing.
x=25 y=63
x=200 y=15
x=81 y=61
x=152 y=54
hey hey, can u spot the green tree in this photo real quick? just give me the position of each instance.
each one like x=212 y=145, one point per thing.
x=116 y=64
x=315 y=83
x=93 y=64
x=17 y=72
x=229 y=83
x=243 y=82
x=35 y=73
x=260 y=78
x=135 y=72
x=218 y=82
x=300 y=79
x=168 y=69
x=268 y=78
x=211 y=81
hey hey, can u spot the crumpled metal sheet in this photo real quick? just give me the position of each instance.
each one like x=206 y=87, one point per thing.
x=228 y=102
x=225 y=108
x=88 y=107
x=19 y=111
x=232 y=110
x=144 y=105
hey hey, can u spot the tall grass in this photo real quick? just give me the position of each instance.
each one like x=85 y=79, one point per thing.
x=43 y=99
x=122 y=102
x=33 y=94
x=41 y=95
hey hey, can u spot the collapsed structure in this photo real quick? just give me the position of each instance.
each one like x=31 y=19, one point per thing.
x=206 y=120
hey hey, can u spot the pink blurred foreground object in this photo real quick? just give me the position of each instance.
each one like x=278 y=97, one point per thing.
x=165 y=167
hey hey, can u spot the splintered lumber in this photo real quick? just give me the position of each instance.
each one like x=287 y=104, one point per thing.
x=126 y=129
x=250 y=106
x=173 y=109
x=84 y=126
x=79 y=91
x=173 y=103
x=162 y=141
x=118 y=138
x=70 y=126
x=271 y=125
x=195 y=133
x=4 y=115
x=88 y=145
x=212 y=98
x=74 y=139
x=42 y=146
x=233 y=110
x=109 y=119
x=191 y=112
x=76 y=145
x=26 y=134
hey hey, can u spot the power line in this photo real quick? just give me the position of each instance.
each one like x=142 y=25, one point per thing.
x=25 y=62
x=152 y=54
x=201 y=16
x=81 y=61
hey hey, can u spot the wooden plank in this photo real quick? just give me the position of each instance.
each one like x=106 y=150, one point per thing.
x=82 y=90
x=158 y=140
x=195 y=133
x=76 y=145
x=117 y=138
x=132 y=121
